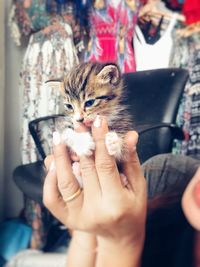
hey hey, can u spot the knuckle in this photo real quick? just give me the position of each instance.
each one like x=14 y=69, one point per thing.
x=59 y=154
x=48 y=160
x=47 y=200
x=87 y=167
x=105 y=165
x=115 y=214
x=67 y=185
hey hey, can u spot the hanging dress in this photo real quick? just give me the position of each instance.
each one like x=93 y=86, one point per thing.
x=111 y=33
x=153 y=56
x=191 y=11
x=187 y=55
x=49 y=55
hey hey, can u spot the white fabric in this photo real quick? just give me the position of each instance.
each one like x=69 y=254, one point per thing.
x=115 y=3
x=35 y=258
x=153 y=56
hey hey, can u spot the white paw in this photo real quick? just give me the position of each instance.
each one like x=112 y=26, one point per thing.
x=81 y=143
x=113 y=144
x=84 y=144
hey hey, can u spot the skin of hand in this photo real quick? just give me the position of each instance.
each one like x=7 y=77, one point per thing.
x=105 y=208
x=82 y=243
x=191 y=201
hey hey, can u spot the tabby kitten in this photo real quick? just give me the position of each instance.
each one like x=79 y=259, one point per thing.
x=91 y=89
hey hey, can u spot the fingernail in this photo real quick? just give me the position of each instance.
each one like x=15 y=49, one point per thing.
x=56 y=138
x=97 y=122
x=52 y=166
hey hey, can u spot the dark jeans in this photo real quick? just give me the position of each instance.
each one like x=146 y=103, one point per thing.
x=166 y=171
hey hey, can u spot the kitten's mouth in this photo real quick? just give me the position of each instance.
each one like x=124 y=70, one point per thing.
x=88 y=123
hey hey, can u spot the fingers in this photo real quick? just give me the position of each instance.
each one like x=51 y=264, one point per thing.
x=51 y=195
x=48 y=161
x=78 y=127
x=87 y=169
x=105 y=164
x=67 y=183
x=131 y=167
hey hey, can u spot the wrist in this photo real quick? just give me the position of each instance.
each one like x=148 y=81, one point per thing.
x=125 y=252
x=85 y=241
x=82 y=250
x=127 y=244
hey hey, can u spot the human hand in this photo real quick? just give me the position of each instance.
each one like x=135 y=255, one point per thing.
x=104 y=207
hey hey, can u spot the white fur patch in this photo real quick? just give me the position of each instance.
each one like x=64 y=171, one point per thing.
x=81 y=143
x=113 y=144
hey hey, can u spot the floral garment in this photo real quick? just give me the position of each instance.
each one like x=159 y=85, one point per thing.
x=49 y=55
x=187 y=55
x=111 y=33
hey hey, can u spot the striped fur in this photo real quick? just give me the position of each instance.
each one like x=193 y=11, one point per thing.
x=101 y=83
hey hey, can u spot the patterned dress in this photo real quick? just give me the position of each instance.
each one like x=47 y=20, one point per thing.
x=187 y=55
x=49 y=55
x=111 y=33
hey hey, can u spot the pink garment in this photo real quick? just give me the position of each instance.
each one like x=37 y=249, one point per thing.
x=112 y=29
x=191 y=11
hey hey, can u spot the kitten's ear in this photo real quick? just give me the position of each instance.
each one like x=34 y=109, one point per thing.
x=56 y=84
x=109 y=74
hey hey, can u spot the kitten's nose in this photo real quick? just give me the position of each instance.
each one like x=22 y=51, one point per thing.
x=80 y=120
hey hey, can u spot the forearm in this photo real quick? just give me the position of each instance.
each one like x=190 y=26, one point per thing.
x=82 y=250
x=119 y=254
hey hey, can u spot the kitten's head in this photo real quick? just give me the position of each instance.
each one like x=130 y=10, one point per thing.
x=90 y=89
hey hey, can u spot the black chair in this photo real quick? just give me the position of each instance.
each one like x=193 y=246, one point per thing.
x=153 y=96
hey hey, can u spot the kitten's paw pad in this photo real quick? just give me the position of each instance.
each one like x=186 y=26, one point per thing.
x=113 y=144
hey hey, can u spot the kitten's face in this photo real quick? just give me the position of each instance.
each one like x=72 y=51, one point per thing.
x=90 y=89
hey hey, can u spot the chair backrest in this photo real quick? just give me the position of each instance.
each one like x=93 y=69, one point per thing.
x=154 y=97
x=41 y=129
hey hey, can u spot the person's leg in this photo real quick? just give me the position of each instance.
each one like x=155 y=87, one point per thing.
x=167 y=171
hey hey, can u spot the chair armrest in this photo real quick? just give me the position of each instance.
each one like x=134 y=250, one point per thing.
x=176 y=131
x=33 y=128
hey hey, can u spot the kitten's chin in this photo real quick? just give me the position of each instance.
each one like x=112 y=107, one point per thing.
x=88 y=123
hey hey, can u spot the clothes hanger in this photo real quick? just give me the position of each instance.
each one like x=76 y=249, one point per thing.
x=152 y=8
x=99 y=4
x=151 y=31
x=189 y=30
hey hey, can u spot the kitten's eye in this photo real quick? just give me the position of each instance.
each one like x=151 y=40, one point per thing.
x=89 y=103
x=68 y=106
